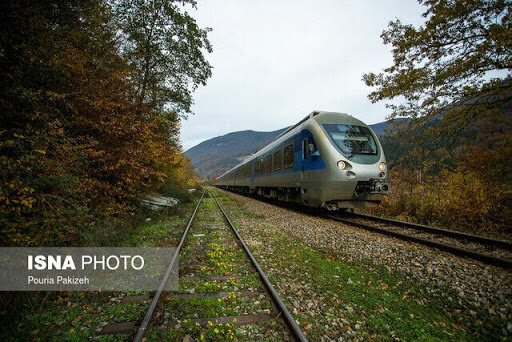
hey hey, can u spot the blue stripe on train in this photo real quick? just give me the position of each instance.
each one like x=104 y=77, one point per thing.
x=311 y=163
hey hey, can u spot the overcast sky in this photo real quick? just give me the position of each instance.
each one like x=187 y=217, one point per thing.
x=276 y=61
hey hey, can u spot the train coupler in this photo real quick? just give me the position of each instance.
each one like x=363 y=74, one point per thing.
x=372 y=186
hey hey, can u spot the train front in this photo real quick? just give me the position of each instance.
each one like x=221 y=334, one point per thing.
x=356 y=169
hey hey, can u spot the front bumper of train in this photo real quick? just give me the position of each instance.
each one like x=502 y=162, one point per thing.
x=347 y=194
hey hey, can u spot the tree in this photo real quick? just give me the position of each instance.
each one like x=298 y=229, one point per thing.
x=164 y=47
x=76 y=148
x=457 y=66
x=64 y=109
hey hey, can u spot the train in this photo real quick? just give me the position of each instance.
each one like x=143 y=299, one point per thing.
x=327 y=160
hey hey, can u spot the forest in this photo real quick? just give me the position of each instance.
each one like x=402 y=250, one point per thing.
x=92 y=96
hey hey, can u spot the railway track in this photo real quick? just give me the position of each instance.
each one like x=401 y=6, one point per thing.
x=222 y=287
x=491 y=251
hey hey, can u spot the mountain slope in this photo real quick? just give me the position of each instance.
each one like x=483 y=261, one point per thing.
x=214 y=156
x=217 y=155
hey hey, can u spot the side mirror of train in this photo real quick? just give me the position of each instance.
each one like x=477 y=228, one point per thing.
x=315 y=154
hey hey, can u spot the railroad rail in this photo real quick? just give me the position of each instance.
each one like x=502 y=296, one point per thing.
x=149 y=314
x=292 y=325
x=491 y=251
x=158 y=300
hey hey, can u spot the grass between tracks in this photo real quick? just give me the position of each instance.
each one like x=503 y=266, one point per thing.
x=356 y=299
x=212 y=246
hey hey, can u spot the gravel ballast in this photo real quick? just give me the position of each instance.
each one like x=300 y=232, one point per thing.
x=480 y=293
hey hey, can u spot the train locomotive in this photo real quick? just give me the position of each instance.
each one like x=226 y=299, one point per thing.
x=328 y=160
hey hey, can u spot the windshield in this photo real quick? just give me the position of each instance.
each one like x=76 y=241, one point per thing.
x=351 y=139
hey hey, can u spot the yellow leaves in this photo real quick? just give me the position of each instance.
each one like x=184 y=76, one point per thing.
x=74 y=170
x=17 y=198
x=457 y=327
x=406 y=294
x=466 y=196
x=82 y=142
x=382 y=285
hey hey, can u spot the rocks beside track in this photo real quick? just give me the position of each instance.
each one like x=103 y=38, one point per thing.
x=474 y=284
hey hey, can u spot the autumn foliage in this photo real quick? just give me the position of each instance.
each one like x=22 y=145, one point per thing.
x=451 y=84
x=467 y=186
x=76 y=146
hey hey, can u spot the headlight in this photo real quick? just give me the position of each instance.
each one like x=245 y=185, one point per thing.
x=344 y=165
x=382 y=166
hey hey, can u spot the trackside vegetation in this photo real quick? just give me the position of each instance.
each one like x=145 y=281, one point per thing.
x=464 y=185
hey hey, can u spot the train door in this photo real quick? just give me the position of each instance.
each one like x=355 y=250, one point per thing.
x=304 y=156
x=252 y=173
x=303 y=174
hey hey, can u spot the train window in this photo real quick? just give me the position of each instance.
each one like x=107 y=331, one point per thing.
x=277 y=160
x=257 y=167
x=352 y=139
x=288 y=156
x=268 y=164
x=304 y=149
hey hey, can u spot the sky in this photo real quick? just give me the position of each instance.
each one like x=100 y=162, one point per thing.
x=274 y=62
